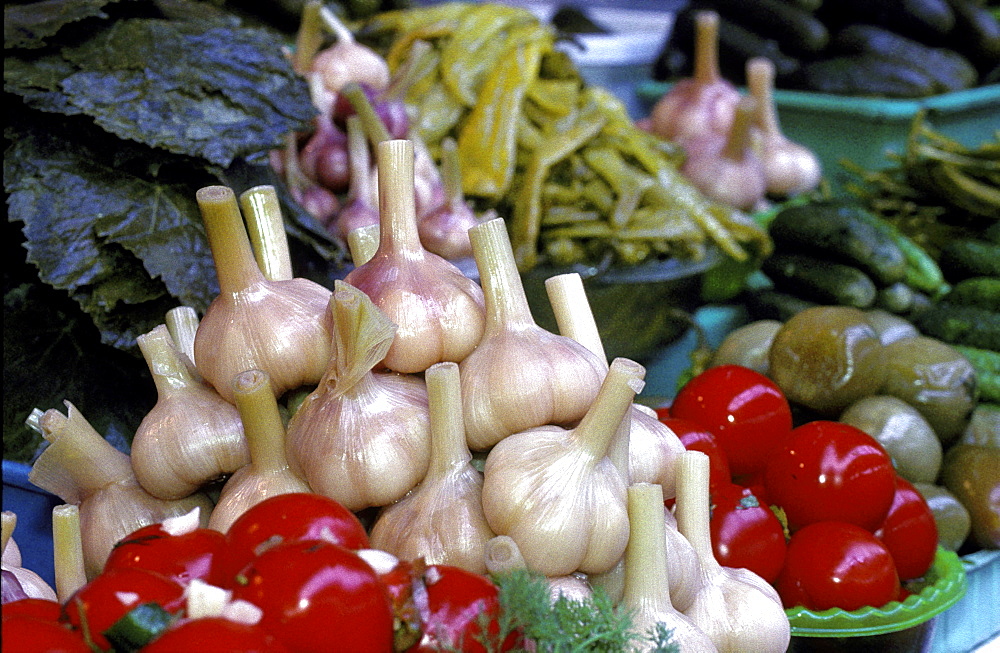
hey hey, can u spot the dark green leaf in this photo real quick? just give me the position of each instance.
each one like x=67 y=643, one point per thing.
x=29 y=25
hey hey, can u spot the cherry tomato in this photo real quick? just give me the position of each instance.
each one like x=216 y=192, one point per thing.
x=909 y=531
x=452 y=610
x=662 y=412
x=318 y=597
x=696 y=437
x=110 y=595
x=196 y=554
x=828 y=471
x=25 y=634
x=214 y=635
x=746 y=412
x=289 y=518
x=399 y=582
x=32 y=607
x=746 y=533
x=832 y=564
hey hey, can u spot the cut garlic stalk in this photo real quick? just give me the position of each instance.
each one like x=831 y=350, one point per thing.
x=503 y=555
x=439 y=312
x=192 y=435
x=646 y=594
x=736 y=608
x=556 y=492
x=279 y=327
x=81 y=467
x=182 y=323
x=442 y=519
x=520 y=376
x=67 y=546
x=268 y=473
x=361 y=437
x=363 y=243
x=266 y=228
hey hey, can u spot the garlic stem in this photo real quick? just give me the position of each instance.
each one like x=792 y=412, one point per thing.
x=336 y=26
x=599 y=426
x=373 y=125
x=167 y=369
x=182 y=324
x=363 y=243
x=235 y=264
x=8 y=521
x=503 y=555
x=760 y=83
x=507 y=305
x=571 y=307
x=693 y=507
x=309 y=37
x=266 y=227
x=706 y=48
x=262 y=423
x=397 y=206
x=449 y=449
x=67 y=543
x=646 y=574
x=451 y=172
x=738 y=142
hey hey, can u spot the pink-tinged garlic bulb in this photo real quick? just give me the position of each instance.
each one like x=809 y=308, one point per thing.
x=441 y=520
x=280 y=327
x=521 y=375
x=347 y=60
x=361 y=437
x=19 y=582
x=556 y=493
x=702 y=104
x=192 y=435
x=790 y=168
x=444 y=230
x=80 y=467
x=268 y=473
x=438 y=311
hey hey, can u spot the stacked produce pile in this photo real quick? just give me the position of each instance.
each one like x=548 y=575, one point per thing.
x=891 y=49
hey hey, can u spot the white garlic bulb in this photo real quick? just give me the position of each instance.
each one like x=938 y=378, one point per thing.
x=504 y=556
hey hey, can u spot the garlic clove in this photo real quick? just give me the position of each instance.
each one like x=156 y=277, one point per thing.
x=441 y=520
x=191 y=435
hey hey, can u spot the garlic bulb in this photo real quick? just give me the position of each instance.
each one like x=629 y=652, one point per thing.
x=361 y=437
x=651 y=448
x=736 y=608
x=347 y=60
x=503 y=555
x=646 y=594
x=266 y=229
x=67 y=545
x=280 y=327
x=81 y=467
x=440 y=520
x=789 y=167
x=444 y=230
x=439 y=312
x=267 y=474
x=18 y=581
x=192 y=435
x=556 y=493
x=520 y=376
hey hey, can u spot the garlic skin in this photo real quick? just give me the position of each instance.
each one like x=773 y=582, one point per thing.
x=361 y=437
x=267 y=474
x=736 y=608
x=439 y=312
x=556 y=493
x=191 y=435
x=790 y=168
x=280 y=327
x=646 y=591
x=520 y=376
x=81 y=467
x=440 y=520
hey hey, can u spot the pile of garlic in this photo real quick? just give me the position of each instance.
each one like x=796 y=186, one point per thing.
x=402 y=376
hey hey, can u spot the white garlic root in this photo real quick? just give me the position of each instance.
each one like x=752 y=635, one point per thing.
x=504 y=556
x=439 y=311
x=267 y=474
x=192 y=435
x=736 y=608
x=67 y=545
x=646 y=592
x=556 y=492
x=81 y=467
x=279 y=327
x=361 y=437
x=520 y=376
x=266 y=229
x=790 y=168
x=182 y=324
x=441 y=519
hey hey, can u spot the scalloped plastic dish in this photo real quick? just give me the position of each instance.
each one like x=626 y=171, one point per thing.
x=946 y=585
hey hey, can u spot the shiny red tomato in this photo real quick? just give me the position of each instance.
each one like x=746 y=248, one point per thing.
x=24 y=634
x=214 y=635
x=833 y=564
x=909 y=532
x=746 y=412
x=292 y=517
x=318 y=597
x=828 y=471
x=184 y=557
x=746 y=533
x=696 y=437
x=32 y=607
x=110 y=595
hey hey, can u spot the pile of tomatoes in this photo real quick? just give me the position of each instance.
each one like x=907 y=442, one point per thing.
x=295 y=569
x=815 y=508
